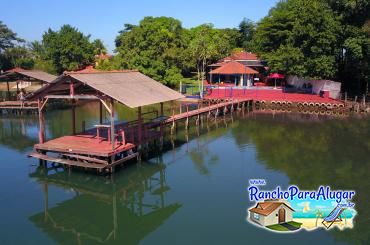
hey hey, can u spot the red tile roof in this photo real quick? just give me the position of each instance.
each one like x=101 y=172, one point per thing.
x=242 y=56
x=233 y=67
x=266 y=208
x=16 y=69
x=91 y=69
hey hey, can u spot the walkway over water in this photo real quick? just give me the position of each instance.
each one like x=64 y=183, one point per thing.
x=268 y=95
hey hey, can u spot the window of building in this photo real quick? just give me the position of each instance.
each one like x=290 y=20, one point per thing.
x=256 y=216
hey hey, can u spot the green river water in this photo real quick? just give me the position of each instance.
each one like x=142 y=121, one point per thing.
x=193 y=192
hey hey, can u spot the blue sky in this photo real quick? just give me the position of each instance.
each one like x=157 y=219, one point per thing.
x=103 y=19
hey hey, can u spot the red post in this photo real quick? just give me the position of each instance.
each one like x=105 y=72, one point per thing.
x=73 y=118
x=123 y=137
x=112 y=135
x=71 y=89
x=139 y=125
x=41 y=123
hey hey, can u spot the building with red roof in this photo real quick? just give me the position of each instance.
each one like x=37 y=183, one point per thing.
x=238 y=69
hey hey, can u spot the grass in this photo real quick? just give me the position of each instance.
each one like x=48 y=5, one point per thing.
x=278 y=227
x=295 y=224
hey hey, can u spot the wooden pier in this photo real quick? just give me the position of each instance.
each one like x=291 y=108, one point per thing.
x=22 y=80
x=106 y=145
x=17 y=107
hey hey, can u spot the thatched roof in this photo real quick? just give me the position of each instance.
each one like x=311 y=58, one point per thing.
x=130 y=88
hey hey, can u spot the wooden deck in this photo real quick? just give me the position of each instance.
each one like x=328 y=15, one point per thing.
x=92 y=149
x=203 y=110
x=83 y=144
x=16 y=106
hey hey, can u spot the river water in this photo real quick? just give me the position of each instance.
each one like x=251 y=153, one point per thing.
x=193 y=192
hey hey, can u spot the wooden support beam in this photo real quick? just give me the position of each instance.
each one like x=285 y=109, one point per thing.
x=100 y=112
x=43 y=104
x=41 y=123
x=106 y=106
x=79 y=97
x=161 y=108
x=71 y=88
x=139 y=130
x=112 y=124
x=73 y=117
x=8 y=94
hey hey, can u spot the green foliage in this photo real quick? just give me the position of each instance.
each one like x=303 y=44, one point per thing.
x=153 y=47
x=207 y=45
x=318 y=39
x=99 y=47
x=8 y=38
x=299 y=37
x=67 y=49
x=247 y=29
x=18 y=57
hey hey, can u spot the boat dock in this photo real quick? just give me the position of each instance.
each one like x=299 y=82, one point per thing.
x=16 y=107
x=92 y=149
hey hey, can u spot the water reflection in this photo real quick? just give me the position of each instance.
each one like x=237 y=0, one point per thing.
x=18 y=133
x=208 y=168
x=122 y=210
x=316 y=152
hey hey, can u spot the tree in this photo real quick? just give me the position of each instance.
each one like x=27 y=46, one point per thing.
x=99 y=47
x=8 y=39
x=67 y=49
x=247 y=28
x=307 y=32
x=19 y=57
x=207 y=45
x=153 y=47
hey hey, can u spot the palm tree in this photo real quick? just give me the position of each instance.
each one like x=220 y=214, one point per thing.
x=319 y=214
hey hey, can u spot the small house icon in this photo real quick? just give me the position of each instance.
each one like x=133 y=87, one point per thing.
x=271 y=212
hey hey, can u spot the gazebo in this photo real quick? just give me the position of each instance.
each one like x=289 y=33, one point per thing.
x=106 y=145
x=233 y=73
x=24 y=79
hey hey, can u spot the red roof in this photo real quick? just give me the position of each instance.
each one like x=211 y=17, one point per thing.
x=233 y=67
x=16 y=69
x=91 y=69
x=242 y=56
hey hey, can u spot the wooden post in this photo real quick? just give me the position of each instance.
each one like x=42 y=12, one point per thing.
x=364 y=100
x=161 y=109
x=8 y=94
x=73 y=117
x=112 y=138
x=41 y=122
x=139 y=125
x=187 y=117
x=83 y=126
x=100 y=113
x=71 y=89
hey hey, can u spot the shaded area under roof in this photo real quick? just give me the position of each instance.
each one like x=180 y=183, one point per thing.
x=233 y=67
x=35 y=74
x=130 y=88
